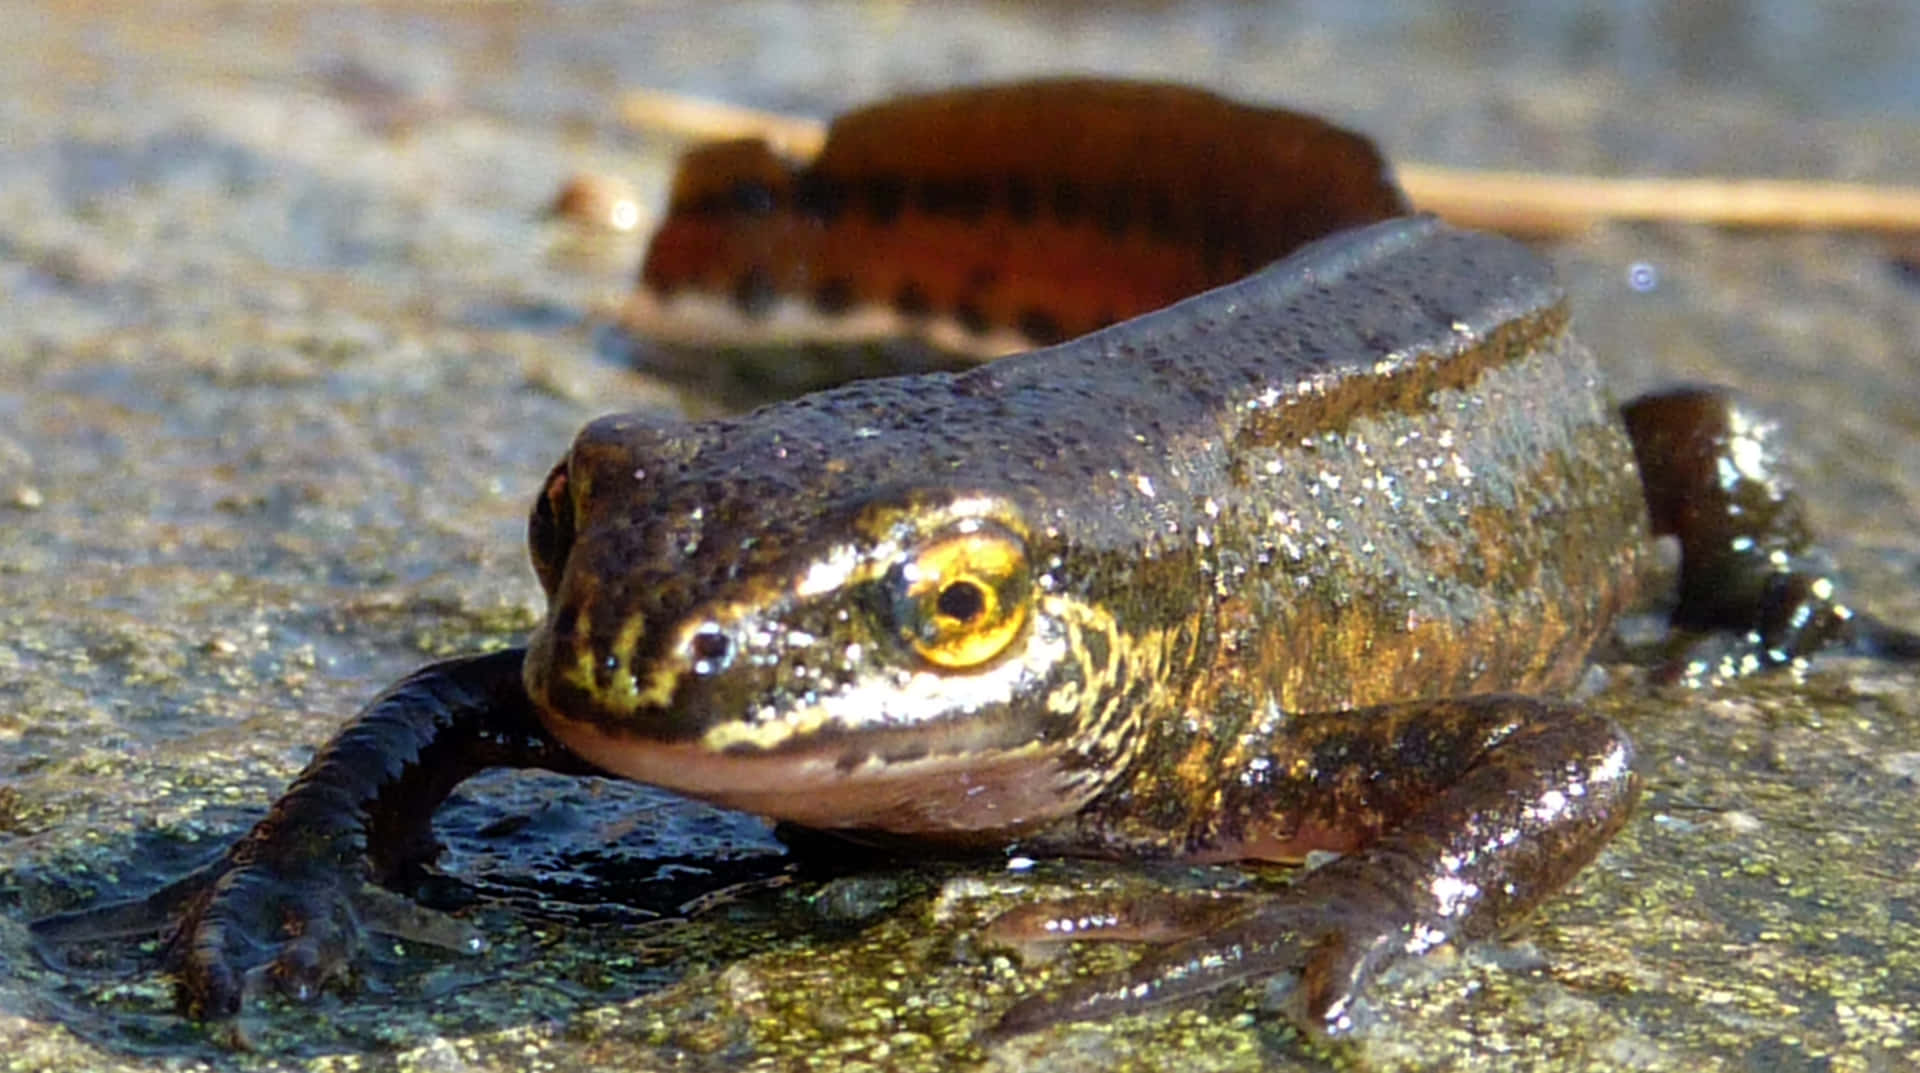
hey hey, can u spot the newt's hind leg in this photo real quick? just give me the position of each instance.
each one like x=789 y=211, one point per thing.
x=1749 y=568
x=1460 y=817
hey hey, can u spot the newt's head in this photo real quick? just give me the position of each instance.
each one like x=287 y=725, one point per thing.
x=809 y=627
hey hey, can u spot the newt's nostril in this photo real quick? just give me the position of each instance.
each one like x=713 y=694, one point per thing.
x=608 y=670
x=710 y=650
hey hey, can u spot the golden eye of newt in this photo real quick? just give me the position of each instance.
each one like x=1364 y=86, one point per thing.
x=962 y=597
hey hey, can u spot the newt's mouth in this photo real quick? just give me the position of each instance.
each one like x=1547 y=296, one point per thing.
x=885 y=784
x=925 y=752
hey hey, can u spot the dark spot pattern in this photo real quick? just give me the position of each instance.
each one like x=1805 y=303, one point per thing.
x=1162 y=223
x=819 y=197
x=1115 y=212
x=1023 y=203
x=885 y=197
x=1069 y=201
x=911 y=300
x=966 y=199
x=973 y=318
x=754 y=292
x=751 y=197
x=834 y=296
x=1040 y=326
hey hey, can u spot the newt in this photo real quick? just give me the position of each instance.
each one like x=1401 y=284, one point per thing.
x=1306 y=559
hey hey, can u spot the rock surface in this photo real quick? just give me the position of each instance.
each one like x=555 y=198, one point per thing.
x=286 y=347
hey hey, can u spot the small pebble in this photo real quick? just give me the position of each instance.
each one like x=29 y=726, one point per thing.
x=605 y=202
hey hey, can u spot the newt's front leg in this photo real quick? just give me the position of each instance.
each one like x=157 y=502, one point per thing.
x=285 y=905
x=1471 y=812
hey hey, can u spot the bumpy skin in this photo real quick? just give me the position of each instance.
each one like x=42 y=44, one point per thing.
x=1211 y=578
x=1379 y=472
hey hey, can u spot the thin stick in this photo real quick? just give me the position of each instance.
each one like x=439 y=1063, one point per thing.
x=1556 y=204
x=699 y=119
x=1523 y=202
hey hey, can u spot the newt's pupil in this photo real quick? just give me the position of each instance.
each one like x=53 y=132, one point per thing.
x=961 y=601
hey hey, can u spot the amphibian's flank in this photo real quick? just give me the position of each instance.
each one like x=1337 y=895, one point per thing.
x=997 y=219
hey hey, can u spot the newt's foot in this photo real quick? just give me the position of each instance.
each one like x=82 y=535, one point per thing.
x=253 y=930
x=1333 y=946
x=285 y=907
x=1800 y=616
x=237 y=931
x=1528 y=793
x=257 y=931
